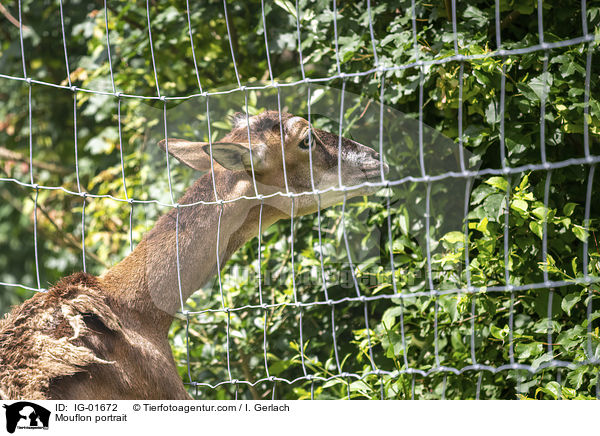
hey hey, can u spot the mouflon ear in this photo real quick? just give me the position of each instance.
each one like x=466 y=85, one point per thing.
x=187 y=152
x=236 y=156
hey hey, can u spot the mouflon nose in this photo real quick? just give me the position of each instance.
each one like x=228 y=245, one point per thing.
x=377 y=158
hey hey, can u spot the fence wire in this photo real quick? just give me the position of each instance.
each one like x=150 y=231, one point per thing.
x=467 y=175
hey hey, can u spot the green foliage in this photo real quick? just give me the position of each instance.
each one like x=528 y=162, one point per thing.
x=488 y=326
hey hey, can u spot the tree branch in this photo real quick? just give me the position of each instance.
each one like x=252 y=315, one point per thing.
x=244 y=363
x=7 y=154
x=448 y=6
x=10 y=18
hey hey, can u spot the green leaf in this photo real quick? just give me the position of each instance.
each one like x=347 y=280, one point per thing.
x=553 y=389
x=454 y=237
x=98 y=145
x=524 y=183
x=569 y=301
x=476 y=15
x=389 y=316
x=569 y=208
x=169 y=14
x=403 y=222
x=277 y=367
x=527 y=92
x=536 y=228
x=575 y=378
x=221 y=125
x=541 y=85
x=348 y=46
x=481 y=77
x=481 y=193
x=333 y=382
x=519 y=205
x=541 y=305
x=524 y=351
x=568 y=393
x=360 y=386
x=492 y=113
x=499 y=333
x=482 y=226
x=449 y=305
x=498 y=182
x=540 y=212
x=493 y=206
x=580 y=233
x=287 y=6
x=546 y=357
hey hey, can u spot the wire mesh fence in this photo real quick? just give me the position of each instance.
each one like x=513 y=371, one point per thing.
x=281 y=286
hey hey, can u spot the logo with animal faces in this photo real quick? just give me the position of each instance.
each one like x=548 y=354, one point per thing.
x=24 y=415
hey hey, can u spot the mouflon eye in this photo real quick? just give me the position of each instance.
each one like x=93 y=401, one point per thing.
x=305 y=143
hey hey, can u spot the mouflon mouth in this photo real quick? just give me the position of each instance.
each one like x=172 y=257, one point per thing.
x=373 y=174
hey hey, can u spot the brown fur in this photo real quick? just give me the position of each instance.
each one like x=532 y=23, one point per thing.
x=69 y=343
x=52 y=335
